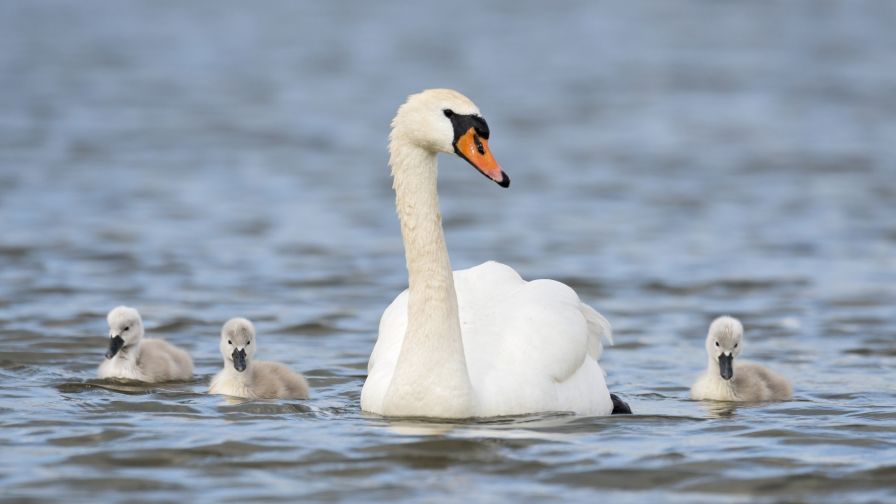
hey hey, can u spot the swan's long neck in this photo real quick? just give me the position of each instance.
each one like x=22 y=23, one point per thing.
x=431 y=373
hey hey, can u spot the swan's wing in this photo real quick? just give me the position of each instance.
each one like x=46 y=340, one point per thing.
x=530 y=346
x=599 y=328
x=539 y=325
x=384 y=357
x=273 y=380
x=393 y=324
x=162 y=361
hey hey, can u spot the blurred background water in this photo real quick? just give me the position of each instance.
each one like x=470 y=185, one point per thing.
x=672 y=161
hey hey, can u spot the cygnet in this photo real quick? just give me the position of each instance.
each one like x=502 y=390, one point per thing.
x=245 y=377
x=726 y=381
x=133 y=357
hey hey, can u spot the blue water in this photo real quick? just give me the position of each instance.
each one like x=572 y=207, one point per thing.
x=670 y=161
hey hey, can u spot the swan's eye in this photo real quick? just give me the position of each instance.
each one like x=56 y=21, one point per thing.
x=229 y=342
x=717 y=343
x=479 y=146
x=448 y=112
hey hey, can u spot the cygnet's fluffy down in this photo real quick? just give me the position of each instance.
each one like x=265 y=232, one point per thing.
x=133 y=357
x=245 y=377
x=726 y=381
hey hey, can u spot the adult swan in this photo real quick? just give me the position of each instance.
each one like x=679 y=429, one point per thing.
x=480 y=342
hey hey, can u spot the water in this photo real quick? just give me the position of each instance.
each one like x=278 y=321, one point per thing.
x=672 y=162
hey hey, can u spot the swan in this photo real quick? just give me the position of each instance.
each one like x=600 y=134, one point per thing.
x=479 y=342
x=745 y=381
x=133 y=357
x=245 y=377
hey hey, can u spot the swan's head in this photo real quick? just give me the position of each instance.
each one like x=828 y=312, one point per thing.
x=443 y=120
x=238 y=343
x=125 y=329
x=724 y=343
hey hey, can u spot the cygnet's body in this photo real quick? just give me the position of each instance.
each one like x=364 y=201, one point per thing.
x=132 y=357
x=726 y=381
x=245 y=377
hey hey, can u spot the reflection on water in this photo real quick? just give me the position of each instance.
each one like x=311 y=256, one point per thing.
x=672 y=162
x=411 y=428
x=720 y=409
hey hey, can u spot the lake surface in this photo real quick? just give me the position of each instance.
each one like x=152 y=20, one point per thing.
x=670 y=161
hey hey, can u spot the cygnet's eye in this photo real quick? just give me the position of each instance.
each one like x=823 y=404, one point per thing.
x=735 y=345
x=229 y=342
x=126 y=328
x=248 y=343
x=717 y=343
x=448 y=112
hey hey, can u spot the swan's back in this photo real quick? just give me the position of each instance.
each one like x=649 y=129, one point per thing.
x=161 y=361
x=272 y=380
x=529 y=346
x=753 y=382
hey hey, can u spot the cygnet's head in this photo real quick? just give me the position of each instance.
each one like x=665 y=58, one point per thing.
x=443 y=120
x=723 y=343
x=237 y=338
x=125 y=329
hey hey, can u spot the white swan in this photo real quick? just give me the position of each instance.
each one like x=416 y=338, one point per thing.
x=133 y=357
x=245 y=377
x=724 y=381
x=479 y=342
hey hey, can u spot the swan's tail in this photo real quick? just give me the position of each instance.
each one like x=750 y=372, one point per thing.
x=599 y=328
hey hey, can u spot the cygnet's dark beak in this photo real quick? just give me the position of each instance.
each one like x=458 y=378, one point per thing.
x=726 y=367
x=115 y=345
x=239 y=360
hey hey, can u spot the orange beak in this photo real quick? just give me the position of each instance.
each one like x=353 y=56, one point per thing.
x=474 y=149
